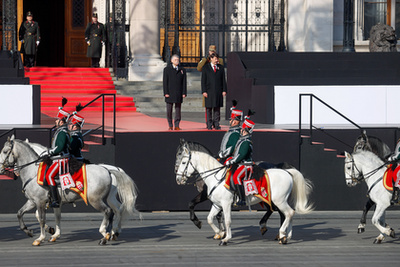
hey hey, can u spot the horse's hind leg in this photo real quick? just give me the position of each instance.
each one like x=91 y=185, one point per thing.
x=115 y=205
x=201 y=197
x=99 y=205
x=263 y=221
x=286 y=226
x=57 y=217
x=363 y=220
x=26 y=207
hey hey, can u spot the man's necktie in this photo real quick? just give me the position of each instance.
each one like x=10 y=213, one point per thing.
x=215 y=68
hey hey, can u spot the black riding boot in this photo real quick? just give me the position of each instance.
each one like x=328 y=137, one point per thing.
x=395 y=196
x=54 y=197
x=241 y=196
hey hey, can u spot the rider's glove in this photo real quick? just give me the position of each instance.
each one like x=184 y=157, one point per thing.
x=37 y=43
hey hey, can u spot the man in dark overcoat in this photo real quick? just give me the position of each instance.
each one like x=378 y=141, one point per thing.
x=213 y=87
x=174 y=85
x=29 y=35
x=95 y=38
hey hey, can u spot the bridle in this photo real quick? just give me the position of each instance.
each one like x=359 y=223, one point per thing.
x=204 y=174
x=361 y=177
x=6 y=163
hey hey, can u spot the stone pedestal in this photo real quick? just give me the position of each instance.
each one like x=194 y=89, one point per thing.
x=147 y=64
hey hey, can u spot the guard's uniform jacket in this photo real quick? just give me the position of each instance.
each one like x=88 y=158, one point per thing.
x=95 y=35
x=29 y=33
x=76 y=145
x=243 y=156
x=59 y=153
x=229 y=142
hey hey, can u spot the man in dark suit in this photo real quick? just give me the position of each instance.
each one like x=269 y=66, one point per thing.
x=213 y=87
x=174 y=85
x=95 y=38
x=29 y=35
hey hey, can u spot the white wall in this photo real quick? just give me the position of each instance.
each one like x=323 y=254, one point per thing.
x=310 y=25
x=376 y=105
x=16 y=104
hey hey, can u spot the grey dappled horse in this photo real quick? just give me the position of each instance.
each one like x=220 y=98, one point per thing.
x=382 y=150
x=19 y=154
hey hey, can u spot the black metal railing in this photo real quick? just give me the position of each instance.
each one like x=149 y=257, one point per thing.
x=102 y=126
x=311 y=126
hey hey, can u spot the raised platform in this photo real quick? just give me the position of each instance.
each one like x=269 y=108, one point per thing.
x=145 y=149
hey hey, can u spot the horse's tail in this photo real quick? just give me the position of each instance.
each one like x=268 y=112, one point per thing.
x=301 y=190
x=127 y=191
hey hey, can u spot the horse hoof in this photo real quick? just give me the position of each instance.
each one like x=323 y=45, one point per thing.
x=277 y=237
x=217 y=237
x=36 y=243
x=29 y=233
x=223 y=243
x=102 y=242
x=263 y=230
x=108 y=237
x=377 y=241
x=361 y=230
x=52 y=239
x=283 y=240
x=223 y=235
x=51 y=230
x=197 y=223
x=115 y=237
x=392 y=233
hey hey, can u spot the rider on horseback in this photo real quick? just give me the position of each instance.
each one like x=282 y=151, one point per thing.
x=243 y=157
x=396 y=184
x=58 y=152
x=232 y=135
x=75 y=129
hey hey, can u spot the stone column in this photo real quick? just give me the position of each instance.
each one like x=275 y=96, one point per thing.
x=147 y=64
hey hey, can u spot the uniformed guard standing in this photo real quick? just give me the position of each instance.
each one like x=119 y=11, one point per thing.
x=75 y=130
x=29 y=35
x=95 y=38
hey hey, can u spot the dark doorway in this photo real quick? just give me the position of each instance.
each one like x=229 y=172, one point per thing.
x=50 y=16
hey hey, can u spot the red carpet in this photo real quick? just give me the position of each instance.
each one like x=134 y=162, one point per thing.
x=78 y=85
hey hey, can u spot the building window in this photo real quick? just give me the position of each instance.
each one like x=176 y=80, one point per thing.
x=375 y=12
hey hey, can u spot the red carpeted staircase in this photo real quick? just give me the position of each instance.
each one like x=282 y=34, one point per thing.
x=78 y=85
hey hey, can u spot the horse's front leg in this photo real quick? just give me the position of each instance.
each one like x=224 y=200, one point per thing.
x=376 y=220
x=26 y=207
x=228 y=220
x=363 y=220
x=201 y=197
x=57 y=217
x=210 y=219
x=42 y=221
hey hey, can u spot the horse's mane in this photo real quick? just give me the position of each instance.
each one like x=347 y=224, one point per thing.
x=26 y=145
x=194 y=146
x=373 y=144
x=369 y=154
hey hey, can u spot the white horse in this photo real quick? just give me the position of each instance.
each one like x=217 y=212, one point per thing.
x=368 y=167
x=100 y=187
x=191 y=157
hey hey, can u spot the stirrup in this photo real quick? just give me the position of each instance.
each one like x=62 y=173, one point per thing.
x=54 y=204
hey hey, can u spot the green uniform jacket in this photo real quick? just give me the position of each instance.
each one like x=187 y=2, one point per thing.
x=95 y=35
x=229 y=142
x=60 y=142
x=243 y=151
x=76 y=144
x=29 y=33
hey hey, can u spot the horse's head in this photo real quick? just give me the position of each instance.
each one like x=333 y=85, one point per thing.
x=351 y=172
x=183 y=168
x=7 y=155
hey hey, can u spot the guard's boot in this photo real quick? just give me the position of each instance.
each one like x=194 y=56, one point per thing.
x=395 y=196
x=55 y=203
x=241 y=196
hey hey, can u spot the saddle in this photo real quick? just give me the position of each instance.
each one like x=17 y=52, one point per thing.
x=390 y=176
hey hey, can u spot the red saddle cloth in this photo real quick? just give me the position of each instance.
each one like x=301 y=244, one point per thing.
x=262 y=184
x=79 y=178
x=389 y=176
